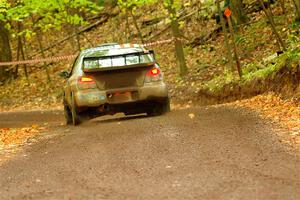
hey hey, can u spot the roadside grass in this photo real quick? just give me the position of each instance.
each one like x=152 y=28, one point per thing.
x=266 y=68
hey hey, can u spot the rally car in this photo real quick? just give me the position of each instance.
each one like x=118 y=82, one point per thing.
x=113 y=78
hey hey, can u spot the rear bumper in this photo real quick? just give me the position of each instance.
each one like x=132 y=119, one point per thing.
x=95 y=98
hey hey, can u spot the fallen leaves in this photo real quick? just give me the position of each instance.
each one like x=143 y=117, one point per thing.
x=36 y=93
x=17 y=136
x=192 y=115
x=285 y=112
x=11 y=139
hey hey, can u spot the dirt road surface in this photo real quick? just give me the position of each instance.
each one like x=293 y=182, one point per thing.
x=222 y=153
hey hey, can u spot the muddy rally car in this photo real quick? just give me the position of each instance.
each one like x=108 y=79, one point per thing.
x=114 y=78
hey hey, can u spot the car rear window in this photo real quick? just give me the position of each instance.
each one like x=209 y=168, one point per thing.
x=118 y=60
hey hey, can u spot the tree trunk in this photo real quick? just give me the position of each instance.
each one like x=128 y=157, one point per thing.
x=5 y=51
x=297 y=7
x=273 y=26
x=23 y=57
x=137 y=27
x=16 y=72
x=128 y=30
x=238 y=10
x=20 y=52
x=181 y=64
x=76 y=30
x=39 y=41
x=25 y=50
x=229 y=56
x=237 y=60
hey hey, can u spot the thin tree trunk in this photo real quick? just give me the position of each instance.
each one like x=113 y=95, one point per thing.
x=237 y=7
x=128 y=31
x=28 y=68
x=77 y=38
x=181 y=64
x=39 y=40
x=297 y=9
x=5 y=51
x=229 y=56
x=237 y=60
x=270 y=12
x=18 y=58
x=20 y=51
x=23 y=58
x=137 y=27
x=272 y=23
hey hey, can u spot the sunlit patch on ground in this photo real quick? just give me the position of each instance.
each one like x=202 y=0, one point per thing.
x=11 y=139
x=273 y=107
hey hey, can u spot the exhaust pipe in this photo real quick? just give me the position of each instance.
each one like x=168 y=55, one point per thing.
x=106 y=107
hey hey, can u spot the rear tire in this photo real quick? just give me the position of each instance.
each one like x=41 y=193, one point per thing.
x=75 y=116
x=68 y=115
x=160 y=109
x=166 y=106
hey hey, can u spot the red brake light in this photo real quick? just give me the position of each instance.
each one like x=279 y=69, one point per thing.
x=86 y=79
x=154 y=72
x=154 y=75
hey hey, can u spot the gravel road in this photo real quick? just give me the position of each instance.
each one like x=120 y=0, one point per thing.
x=222 y=153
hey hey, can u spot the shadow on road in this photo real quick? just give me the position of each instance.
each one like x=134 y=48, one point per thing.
x=116 y=118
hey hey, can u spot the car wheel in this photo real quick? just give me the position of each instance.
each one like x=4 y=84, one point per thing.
x=160 y=109
x=75 y=115
x=166 y=107
x=68 y=115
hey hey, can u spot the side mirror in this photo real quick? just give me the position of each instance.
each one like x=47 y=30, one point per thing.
x=64 y=74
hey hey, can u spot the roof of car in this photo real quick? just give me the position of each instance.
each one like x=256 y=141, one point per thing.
x=112 y=49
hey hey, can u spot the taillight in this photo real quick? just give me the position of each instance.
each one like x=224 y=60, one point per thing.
x=86 y=79
x=154 y=75
x=154 y=72
x=86 y=82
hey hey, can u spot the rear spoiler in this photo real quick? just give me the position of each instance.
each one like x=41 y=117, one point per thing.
x=118 y=67
x=108 y=68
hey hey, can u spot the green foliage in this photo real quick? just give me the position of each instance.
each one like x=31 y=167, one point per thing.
x=294 y=35
x=168 y=4
x=208 y=9
x=218 y=82
x=4 y=6
x=174 y=4
x=49 y=14
x=252 y=67
x=101 y=2
x=252 y=71
x=133 y=4
x=240 y=39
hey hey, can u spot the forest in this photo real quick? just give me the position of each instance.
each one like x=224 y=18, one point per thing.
x=210 y=51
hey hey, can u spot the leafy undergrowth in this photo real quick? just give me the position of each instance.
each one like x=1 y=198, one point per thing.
x=11 y=139
x=264 y=69
x=33 y=94
x=206 y=61
x=283 y=112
